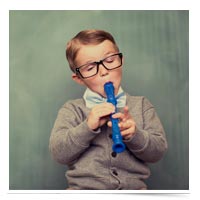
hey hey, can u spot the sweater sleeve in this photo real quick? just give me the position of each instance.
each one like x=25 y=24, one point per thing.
x=70 y=135
x=149 y=142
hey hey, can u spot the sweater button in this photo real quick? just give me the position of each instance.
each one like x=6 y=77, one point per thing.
x=115 y=172
x=113 y=154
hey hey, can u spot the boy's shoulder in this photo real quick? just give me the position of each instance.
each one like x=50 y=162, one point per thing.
x=77 y=105
x=74 y=103
x=139 y=101
x=135 y=98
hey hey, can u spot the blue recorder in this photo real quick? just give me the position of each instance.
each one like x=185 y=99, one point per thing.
x=118 y=145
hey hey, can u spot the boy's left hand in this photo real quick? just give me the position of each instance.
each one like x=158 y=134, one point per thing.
x=126 y=123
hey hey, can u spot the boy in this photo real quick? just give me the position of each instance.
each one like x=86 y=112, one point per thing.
x=81 y=136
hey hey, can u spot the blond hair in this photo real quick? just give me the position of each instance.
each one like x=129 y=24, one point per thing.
x=86 y=37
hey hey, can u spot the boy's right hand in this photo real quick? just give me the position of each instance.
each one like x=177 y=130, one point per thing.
x=99 y=115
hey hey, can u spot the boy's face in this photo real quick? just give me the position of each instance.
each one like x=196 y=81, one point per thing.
x=92 y=53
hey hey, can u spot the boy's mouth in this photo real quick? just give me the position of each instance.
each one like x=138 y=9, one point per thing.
x=107 y=81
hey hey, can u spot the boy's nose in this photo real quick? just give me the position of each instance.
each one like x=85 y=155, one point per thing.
x=102 y=70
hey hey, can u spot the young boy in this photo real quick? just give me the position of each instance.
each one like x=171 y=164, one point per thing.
x=81 y=136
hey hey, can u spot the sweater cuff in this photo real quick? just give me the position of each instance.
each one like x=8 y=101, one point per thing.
x=82 y=134
x=139 y=141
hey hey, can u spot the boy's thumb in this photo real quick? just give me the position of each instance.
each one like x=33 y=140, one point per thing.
x=109 y=123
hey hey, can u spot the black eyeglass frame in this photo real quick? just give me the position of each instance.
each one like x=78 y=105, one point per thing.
x=77 y=69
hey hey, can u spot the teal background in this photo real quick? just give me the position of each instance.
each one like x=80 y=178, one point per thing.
x=156 y=49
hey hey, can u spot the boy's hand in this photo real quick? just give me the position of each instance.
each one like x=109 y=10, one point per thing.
x=126 y=124
x=99 y=115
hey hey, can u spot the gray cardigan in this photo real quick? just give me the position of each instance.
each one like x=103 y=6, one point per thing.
x=88 y=154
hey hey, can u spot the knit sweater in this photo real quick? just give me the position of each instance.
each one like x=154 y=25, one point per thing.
x=88 y=154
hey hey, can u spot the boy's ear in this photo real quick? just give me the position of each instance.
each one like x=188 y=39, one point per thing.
x=77 y=79
x=122 y=60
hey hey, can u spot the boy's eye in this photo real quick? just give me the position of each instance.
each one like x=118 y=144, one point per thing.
x=90 y=67
x=109 y=60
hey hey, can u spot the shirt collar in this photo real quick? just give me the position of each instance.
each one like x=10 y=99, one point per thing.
x=91 y=98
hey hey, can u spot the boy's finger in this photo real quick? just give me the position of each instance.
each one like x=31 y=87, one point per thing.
x=127 y=131
x=104 y=113
x=126 y=111
x=118 y=115
x=105 y=105
x=109 y=123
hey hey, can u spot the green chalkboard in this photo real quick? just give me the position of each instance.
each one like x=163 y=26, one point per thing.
x=155 y=45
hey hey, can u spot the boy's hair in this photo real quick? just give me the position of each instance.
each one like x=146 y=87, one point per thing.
x=86 y=37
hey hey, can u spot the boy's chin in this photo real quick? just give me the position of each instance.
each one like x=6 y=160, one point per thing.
x=102 y=94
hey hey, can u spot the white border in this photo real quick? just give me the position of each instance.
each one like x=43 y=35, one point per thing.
x=7 y=5
x=99 y=191
x=96 y=5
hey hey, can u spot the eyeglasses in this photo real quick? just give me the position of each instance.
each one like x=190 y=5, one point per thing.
x=91 y=69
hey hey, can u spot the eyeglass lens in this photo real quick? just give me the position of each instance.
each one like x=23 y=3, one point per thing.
x=91 y=69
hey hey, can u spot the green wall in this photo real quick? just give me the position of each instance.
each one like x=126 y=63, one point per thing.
x=155 y=45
